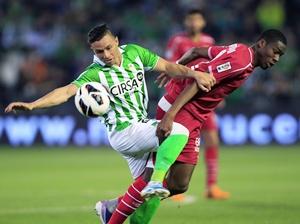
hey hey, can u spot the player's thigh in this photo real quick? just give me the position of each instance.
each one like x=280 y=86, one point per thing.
x=137 y=139
x=179 y=176
x=211 y=122
x=210 y=137
x=137 y=164
x=209 y=131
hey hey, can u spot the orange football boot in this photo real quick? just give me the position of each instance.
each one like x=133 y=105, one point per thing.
x=178 y=198
x=215 y=193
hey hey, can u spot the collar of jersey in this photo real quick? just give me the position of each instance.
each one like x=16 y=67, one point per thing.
x=251 y=51
x=100 y=62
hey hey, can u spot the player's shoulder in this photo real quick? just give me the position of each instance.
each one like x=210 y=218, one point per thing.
x=133 y=48
x=241 y=52
x=178 y=37
x=207 y=38
x=244 y=51
x=240 y=46
x=238 y=49
x=94 y=67
x=92 y=70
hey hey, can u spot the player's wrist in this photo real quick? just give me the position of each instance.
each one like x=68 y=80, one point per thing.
x=31 y=106
x=170 y=115
x=191 y=73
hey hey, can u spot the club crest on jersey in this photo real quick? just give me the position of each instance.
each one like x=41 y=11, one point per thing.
x=224 y=67
x=128 y=85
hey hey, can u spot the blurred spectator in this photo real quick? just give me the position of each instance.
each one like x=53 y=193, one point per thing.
x=271 y=14
x=43 y=43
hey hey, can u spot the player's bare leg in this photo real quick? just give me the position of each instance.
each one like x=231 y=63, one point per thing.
x=179 y=177
x=211 y=143
x=164 y=160
x=178 y=180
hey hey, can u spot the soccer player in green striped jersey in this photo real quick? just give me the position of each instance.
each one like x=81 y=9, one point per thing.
x=121 y=70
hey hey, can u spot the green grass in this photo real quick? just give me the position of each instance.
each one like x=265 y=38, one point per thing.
x=60 y=186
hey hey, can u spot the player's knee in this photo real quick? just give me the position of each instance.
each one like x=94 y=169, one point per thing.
x=178 y=187
x=179 y=129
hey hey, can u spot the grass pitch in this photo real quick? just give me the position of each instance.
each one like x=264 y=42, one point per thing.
x=60 y=186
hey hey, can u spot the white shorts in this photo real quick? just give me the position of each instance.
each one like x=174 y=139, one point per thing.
x=135 y=143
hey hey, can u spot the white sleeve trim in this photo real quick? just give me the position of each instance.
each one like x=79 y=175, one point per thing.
x=209 y=53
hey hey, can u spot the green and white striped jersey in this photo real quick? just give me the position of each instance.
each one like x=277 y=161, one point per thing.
x=126 y=84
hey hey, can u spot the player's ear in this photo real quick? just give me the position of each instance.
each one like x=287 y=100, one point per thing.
x=117 y=40
x=261 y=43
x=204 y=23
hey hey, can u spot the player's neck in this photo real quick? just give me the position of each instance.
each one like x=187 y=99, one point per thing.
x=194 y=36
x=119 y=59
x=255 y=59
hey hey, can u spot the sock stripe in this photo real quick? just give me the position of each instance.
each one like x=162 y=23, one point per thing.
x=133 y=208
x=117 y=210
x=141 y=202
x=135 y=189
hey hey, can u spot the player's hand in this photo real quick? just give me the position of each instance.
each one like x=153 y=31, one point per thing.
x=162 y=80
x=205 y=80
x=164 y=127
x=13 y=107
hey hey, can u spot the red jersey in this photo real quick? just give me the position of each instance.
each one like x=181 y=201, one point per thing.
x=230 y=65
x=181 y=43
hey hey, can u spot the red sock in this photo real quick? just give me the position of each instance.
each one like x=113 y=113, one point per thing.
x=129 y=203
x=120 y=198
x=165 y=184
x=211 y=159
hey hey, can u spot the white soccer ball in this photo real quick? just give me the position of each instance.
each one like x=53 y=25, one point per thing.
x=92 y=100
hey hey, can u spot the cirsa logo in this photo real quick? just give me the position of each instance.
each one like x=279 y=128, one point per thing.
x=128 y=85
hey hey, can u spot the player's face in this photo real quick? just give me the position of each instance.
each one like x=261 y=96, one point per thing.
x=270 y=53
x=194 y=23
x=107 y=50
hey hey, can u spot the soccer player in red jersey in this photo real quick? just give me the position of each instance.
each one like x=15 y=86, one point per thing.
x=184 y=103
x=179 y=44
x=231 y=66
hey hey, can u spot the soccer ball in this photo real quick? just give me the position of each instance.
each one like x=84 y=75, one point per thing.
x=92 y=99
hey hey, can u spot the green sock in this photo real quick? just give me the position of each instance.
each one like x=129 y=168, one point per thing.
x=145 y=212
x=167 y=154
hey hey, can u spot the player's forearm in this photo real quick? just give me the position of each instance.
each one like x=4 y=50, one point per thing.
x=192 y=54
x=179 y=71
x=185 y=96
x=55 y=97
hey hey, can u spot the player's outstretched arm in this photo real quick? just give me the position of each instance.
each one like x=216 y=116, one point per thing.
x=204 y=80
x=192 y=54
x=164 y=128
x=53 y=98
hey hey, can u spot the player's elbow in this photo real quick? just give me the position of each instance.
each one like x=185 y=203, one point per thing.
x=66 y=92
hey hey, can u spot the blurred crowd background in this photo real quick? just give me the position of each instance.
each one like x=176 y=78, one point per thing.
x=43 y=43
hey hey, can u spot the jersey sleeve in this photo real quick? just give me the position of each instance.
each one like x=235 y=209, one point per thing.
x=89 y=75
x=148 y=58
x=213 y=51
x=233 y=61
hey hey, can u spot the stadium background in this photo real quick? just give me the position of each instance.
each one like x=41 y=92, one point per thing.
x=43 y=46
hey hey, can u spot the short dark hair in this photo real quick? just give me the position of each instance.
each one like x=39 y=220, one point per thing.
x=98 y=32
x=195 y=11
x=273 y=35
